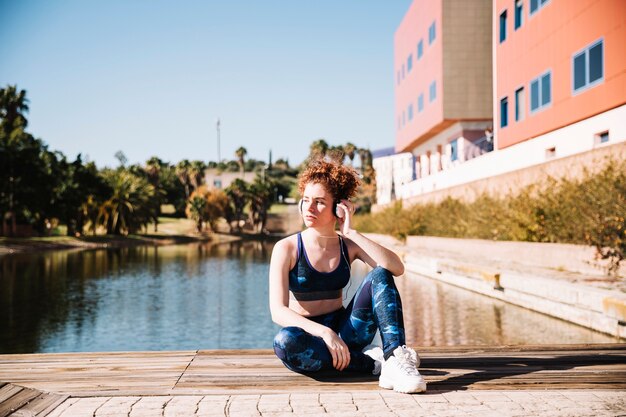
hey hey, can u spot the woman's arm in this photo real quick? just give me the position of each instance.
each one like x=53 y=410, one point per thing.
x=369 y=251
x=284 y=316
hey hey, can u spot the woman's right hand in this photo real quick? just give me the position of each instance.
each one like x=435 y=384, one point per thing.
x=338 y=349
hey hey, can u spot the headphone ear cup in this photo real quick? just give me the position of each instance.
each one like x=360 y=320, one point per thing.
x=335 y=208
x=300 y=205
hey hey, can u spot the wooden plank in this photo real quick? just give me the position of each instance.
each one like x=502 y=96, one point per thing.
x=8 y=391
x=13 y=403
x=259 y=371
x=40 y=406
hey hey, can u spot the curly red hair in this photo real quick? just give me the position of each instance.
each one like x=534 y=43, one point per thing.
x=341 y=181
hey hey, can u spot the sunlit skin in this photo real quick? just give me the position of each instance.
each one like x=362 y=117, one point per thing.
x=322 y=247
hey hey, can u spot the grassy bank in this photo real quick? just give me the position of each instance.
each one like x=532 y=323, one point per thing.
x=170 y=231
x=589 y=211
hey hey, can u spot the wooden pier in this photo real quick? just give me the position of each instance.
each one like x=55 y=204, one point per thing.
x=34 y=384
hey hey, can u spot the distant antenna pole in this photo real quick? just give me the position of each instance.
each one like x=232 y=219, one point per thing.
x=219 y=156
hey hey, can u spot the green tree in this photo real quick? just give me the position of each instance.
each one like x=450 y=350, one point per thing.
x=318 y=149
x=261 y=195
x=196 y=209
x=196 y=173
x=241 y=153
x=237 y=193
x=128 y=209
x=153 y=169
x=183 y=169
x=350 y=151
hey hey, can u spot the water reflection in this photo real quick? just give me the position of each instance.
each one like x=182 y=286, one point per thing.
x=206 y=296
x=196 y=296
x=437 y=314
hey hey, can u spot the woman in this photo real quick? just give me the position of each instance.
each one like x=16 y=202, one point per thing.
x=307 y=273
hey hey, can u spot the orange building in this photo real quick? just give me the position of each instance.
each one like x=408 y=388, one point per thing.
x=443 y=85
x=558 y=62
x=550 y=74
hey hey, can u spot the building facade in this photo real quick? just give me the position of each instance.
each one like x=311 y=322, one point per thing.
x=553 y=72
x=443 y=87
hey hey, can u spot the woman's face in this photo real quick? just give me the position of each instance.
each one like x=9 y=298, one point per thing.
x=317 y=205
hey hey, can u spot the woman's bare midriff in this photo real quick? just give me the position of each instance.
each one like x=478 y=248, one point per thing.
x=314 y=308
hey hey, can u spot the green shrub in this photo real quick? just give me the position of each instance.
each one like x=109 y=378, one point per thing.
x=589 y=211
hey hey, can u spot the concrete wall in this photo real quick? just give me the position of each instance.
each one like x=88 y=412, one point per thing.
x=467 y=60
x=515 y=167
x=547 y=41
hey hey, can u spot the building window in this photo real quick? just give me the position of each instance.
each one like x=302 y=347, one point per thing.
x=420 y=48
x=540 y=92
x=432 y=33
x=410 y=110
x=454 y=150
x=504 y=112
x=432 y=91
x=503 y=26
x=588 y=67
x=535 y=5
x=403 y=71
x=519 y=14
x=420 y=103
x=519 y=104
x=601 y=138
x=409 y=63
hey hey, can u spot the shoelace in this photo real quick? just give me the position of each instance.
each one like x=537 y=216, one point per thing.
x=407 y=358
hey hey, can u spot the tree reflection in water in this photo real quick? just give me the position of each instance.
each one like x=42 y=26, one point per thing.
x=208 y=296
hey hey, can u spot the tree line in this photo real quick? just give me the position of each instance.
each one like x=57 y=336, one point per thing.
x=41 y=188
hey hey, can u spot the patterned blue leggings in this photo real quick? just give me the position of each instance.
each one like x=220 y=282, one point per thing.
x=375 y=306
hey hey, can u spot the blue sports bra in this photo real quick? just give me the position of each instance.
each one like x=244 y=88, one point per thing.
x=307 y=284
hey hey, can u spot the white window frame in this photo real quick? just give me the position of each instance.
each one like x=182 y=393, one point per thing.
x=585 y=51
x=508 y=120
x=432 y=30
x=432 y=92
x=521 y=21
x=522 y=106
x=420 y=103
x=540 y=5
x=500 y=31
x=530 y=93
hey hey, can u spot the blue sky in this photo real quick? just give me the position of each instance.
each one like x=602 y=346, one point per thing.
x=151 y=77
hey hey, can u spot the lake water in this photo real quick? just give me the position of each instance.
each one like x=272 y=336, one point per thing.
x=208 y=296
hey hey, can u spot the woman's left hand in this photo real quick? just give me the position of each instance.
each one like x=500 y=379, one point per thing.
x=345 y=221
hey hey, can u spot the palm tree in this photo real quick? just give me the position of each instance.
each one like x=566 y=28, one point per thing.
x=350 y=151
x=196 y=173
x=241 y=153
x=237 y=192
x=260 y=195
x=318 y=149
x=153 y=169
x=196 y=209
x=13 y=106
x=183 y=169
x=336 y=153
x=128 y=209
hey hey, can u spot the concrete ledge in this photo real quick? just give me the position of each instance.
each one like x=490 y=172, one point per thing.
x=557 y=256
x=601 y=310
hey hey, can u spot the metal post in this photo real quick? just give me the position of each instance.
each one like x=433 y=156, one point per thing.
x=219 y=156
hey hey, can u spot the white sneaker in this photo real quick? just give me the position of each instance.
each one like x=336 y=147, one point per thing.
x=400 y=373
x=377 y=354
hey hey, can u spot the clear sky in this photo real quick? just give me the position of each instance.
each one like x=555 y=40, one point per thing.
x=151 y=77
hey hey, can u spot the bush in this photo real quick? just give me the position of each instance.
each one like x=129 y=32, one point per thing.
x=589 y=211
